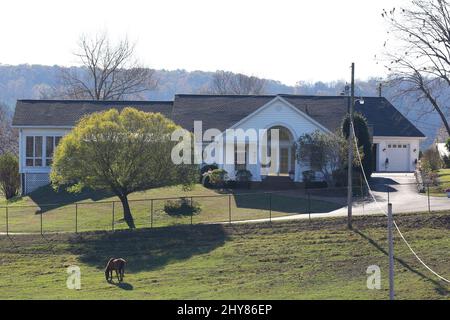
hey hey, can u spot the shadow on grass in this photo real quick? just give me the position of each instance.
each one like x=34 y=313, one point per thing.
x=147 y=249
x=49 y=199
x=283 y=203
x=440 y=289
x=123 y=285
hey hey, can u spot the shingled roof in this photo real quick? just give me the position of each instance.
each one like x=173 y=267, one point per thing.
x=223 y=111
x=220 y=111
x=66 y=113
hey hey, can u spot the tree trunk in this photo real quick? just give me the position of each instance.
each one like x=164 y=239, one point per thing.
x=127 y=212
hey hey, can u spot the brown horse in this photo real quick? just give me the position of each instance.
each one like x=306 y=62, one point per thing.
x=115 y=264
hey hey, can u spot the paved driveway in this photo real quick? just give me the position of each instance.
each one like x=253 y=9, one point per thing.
x=401 y=190
x=405 y=196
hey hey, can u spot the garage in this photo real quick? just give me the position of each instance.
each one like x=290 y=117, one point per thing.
x=398 y=156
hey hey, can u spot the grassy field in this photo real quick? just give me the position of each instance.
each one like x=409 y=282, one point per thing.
x=94 y=210
x=318 y=259
x=444 y=183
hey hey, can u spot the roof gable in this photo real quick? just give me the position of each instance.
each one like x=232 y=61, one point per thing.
x=288 y=105
x=215 y=111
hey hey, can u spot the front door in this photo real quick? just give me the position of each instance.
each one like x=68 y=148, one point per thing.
x=284 y=160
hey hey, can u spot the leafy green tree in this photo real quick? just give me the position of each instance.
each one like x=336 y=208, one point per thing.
x=322 y=152
x=9 y=175
x=363 y=138
x=122 y=153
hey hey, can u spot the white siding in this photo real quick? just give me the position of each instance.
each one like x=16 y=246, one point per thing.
x=280 y=113
x=36 y=176
x=413 y=145
x=277 y=113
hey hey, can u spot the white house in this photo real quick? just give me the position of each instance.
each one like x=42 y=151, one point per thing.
x=396 y=140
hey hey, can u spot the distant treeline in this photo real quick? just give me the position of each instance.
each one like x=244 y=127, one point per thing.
x=31 y=81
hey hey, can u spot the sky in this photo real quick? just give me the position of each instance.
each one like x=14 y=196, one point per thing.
x=285 y=40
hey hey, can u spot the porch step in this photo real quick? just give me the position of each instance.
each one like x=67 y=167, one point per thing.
x=277 y=183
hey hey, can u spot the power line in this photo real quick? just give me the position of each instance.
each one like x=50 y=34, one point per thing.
x=395 y=224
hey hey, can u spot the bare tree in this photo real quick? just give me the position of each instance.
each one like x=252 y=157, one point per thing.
x=225 y=82
x=419 y=58
x=442 y=135
x=8 y=135
x=110 y=72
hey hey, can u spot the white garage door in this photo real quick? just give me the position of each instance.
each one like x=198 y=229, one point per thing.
x=398 y=155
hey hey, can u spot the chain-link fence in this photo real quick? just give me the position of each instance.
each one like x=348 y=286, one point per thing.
x=220 y=208
x=161 y=212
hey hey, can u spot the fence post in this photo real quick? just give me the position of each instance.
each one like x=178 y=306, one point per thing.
x=7 y=220
x=41 y=221
x=428 y=196
x=113 y=213
x=361 y=184
x=229 y=208
x=391 y=253
x=387 y=188
x=270 y=207
x=309 y=205
x=151 y=213
x=362 y=196
x=192 y=209
x=76 y=217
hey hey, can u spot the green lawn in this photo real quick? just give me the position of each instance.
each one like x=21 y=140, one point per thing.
x=444 y=183
x=94 y=209
x=318 y=259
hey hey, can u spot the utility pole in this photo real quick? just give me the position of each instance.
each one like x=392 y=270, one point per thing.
x=350 y=150
x=391 y=253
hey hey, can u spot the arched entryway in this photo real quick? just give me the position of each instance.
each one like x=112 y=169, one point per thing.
x=282 y=154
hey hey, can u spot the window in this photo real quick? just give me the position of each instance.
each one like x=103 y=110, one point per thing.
x=240 y=157
x=404 y=146
x=33 y=152
x=50 y=146
x=29 y=152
